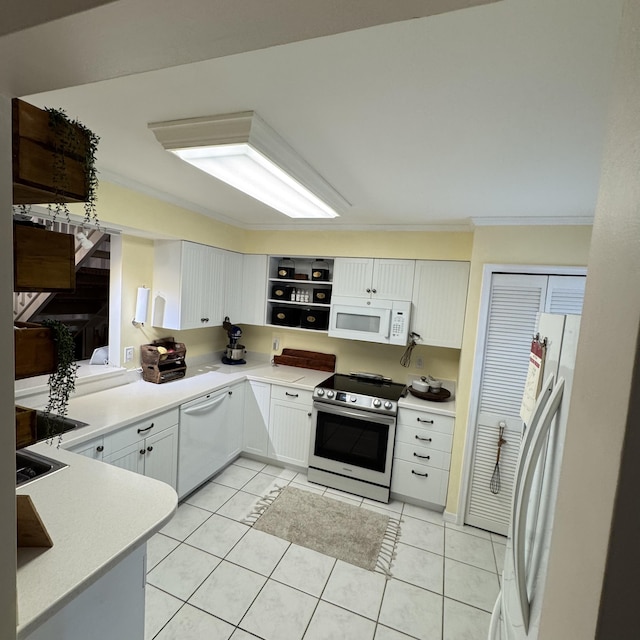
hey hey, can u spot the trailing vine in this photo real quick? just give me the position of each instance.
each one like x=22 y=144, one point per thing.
x=67 y=141
x=62 y=382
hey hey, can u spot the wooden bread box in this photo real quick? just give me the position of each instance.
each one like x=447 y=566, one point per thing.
x=34 y=159
x=25 y=427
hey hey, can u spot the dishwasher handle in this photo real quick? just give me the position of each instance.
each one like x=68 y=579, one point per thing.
x=203 y=407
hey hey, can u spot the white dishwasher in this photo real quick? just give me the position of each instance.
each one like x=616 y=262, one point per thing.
x=203 y=443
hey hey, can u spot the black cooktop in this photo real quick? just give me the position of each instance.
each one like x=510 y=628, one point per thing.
x=371 y=386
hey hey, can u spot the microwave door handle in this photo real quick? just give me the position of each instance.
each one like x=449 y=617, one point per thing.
x=386 y=318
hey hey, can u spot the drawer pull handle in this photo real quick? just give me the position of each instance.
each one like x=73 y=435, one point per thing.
x=147 y=429
x=141 y=452
x=415 y=473
x=424 y=439
x=417 y=455
x=426 y=421
x=149 y=449
x=291 y=395
x=99 y=448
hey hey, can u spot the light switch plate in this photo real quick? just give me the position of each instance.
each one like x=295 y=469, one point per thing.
x=128 y=354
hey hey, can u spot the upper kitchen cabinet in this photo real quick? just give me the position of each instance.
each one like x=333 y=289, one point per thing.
x=34 y=160
x=245 y=293
x=373 y=278
x=189 y=282
x=439 y=302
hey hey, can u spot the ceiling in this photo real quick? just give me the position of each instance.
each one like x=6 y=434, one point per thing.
x=489 y=114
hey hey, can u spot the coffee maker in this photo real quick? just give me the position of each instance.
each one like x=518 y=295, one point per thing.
x=234 y=352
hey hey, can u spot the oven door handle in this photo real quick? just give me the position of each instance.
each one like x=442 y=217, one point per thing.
x=358 y=415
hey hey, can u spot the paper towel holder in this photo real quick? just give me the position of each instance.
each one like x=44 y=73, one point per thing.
x=142 y=306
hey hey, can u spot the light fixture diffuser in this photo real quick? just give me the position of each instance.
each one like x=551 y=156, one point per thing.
x=243 y=151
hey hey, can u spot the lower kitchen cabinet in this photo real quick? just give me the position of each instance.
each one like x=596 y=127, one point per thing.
x=112 y=608
x=290 y=425
x=422 y=457
x=148 y=447
x=257 y=399
x=235 y=421
x=91 y=449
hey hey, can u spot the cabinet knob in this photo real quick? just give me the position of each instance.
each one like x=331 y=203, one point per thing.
x=368 y=290
x=230 y=393
x=374 y=291
x=100 y=448
x=309 y=414
x=141 y=452
x=149 y=449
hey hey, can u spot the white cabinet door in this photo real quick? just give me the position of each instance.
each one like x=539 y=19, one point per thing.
x=252 y=295
x=194 y=285
x=439 y=302
x=289 y=432
x=130 y=458
x=392 y=279
x=235 y=421
x=352 y=277
x=215 y=292
x=256 y=417
x=233 y=299
x=161 y=456
x=91 y=449
x=373 y=278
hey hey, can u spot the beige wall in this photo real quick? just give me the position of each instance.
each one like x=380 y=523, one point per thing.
x=552 y=246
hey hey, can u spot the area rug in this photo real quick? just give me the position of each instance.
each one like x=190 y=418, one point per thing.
x=356 y=535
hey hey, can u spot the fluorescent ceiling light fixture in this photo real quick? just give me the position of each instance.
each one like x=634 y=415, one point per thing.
x=243 y=151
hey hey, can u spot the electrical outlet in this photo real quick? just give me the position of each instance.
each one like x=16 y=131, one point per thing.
x=128 y=354
x=276 y=344
x=419 y=363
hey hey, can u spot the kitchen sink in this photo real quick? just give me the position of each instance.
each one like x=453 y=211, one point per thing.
x=54 y=425
x=31 y=466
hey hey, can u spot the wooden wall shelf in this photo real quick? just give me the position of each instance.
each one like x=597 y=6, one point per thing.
x=33 y=159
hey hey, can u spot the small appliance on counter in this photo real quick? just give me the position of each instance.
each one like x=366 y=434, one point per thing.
x=234 y=353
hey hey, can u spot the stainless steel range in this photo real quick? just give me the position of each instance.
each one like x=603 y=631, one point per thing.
x=353 y=433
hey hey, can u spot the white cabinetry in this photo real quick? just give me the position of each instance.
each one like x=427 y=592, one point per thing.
x=373 y=278
x=148 y=447
x=422 y=457
x=235 y=420
x=245 y=293
x=256 y=417
x=290 y=425
x=112 y=608
x=189 y=282
x=91 y=449
x=439 y=302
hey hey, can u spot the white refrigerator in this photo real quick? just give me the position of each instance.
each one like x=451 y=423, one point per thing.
x=516 y=615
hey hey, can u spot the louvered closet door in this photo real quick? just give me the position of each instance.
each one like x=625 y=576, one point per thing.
x=516 y=301
x=515 y=304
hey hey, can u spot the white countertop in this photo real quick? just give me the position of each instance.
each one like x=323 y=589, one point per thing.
x=95 y=514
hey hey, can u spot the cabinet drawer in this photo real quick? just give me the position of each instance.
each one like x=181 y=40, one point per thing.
x=289 y=394
x=420 y=482
x=422 y=455
x=139 y=430
x=426 y=420
x=425 y=438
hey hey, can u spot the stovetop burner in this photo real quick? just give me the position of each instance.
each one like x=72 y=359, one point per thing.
x=361 y=390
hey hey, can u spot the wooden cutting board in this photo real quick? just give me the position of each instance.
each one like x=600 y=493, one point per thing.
x=307 y=359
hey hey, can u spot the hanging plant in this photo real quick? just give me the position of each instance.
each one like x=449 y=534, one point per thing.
x=62 y=382
x=71 y=137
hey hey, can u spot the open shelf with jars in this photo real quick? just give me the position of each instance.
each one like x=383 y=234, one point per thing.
x=299 y=292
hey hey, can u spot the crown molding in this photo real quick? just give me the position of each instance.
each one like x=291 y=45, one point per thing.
x=502 y=221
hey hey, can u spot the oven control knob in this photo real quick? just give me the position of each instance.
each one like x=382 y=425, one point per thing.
x=320 y=392
x=388 y=405
x=377 y=403
x=353 y=398
x=330 y=394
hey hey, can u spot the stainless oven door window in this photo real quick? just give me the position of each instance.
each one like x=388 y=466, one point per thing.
x=361 y=439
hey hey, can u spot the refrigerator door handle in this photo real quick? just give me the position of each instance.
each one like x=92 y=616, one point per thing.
x=494 y=625
x=522 y=500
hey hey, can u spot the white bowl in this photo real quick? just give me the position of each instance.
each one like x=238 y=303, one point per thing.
x=435 y=386
x=420 y=385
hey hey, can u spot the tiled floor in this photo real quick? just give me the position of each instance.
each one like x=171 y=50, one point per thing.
x=211 y=577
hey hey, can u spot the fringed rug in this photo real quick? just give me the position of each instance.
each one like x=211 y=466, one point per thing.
x=356 y=535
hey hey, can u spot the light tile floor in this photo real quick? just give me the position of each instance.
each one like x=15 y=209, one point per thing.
x=211 y=577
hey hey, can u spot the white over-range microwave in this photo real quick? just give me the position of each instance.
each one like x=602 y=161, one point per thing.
x=385 y=321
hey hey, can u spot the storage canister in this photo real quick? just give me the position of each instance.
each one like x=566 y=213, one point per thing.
x=286 y=268
x=314 y=319
x=322 y=296
x=280 y=292
x=285 y=316
x=320 y=269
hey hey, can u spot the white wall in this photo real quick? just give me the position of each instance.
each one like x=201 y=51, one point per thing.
x=599 y=419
